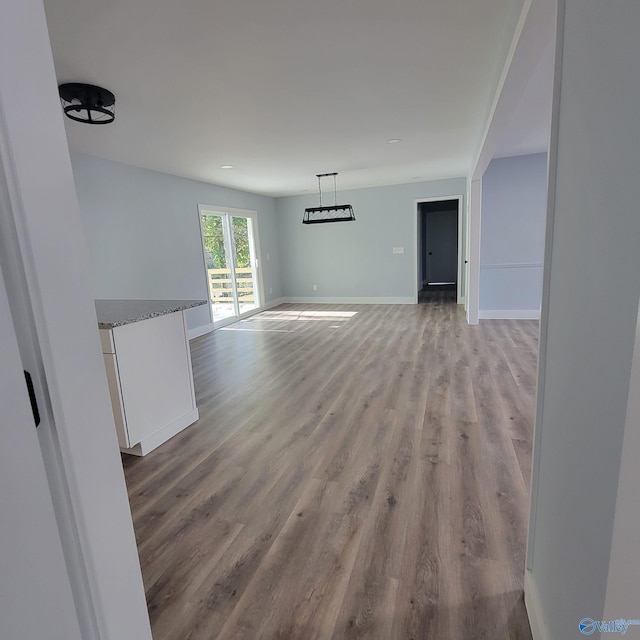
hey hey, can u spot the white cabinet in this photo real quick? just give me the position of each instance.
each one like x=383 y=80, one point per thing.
x=148 y=366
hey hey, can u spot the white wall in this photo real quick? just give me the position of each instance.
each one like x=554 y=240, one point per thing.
x=589 y=315
x=56 y=287
x=514 y=205
x=352 y=260
x=143 y=232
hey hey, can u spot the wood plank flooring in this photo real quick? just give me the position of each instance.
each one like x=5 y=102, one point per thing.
x=356 y=472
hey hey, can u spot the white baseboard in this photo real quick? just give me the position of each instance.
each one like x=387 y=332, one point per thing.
x=509 y=314
x=200 y=331
x=166 y=433
x=532 y=605
x=274 y=303
x=364 y=300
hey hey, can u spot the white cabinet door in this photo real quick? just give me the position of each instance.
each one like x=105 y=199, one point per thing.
x=35 y=592
x=155 y=374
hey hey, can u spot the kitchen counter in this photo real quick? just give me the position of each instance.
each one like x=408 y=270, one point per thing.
x=116 y=313
x=148 y=364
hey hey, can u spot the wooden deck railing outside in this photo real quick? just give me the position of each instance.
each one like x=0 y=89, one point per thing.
x=220 y=285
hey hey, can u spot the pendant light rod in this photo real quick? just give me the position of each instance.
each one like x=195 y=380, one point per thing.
x=335 y=192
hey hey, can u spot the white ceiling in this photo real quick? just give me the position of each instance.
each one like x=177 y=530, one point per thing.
x=285 y=89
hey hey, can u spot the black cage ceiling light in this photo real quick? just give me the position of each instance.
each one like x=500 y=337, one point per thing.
x=335 y=213
x=87 y=103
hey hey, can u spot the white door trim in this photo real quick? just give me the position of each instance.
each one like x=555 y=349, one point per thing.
x=37 y=596
x=18 y=282
x=205 y=272
x=474 y=217
x=552 y=168
x=416 y=213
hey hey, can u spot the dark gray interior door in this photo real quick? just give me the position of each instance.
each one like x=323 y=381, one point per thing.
x=441 y=243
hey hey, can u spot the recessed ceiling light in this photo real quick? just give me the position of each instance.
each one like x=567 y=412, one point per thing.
x=226 y=166
x=393 y=141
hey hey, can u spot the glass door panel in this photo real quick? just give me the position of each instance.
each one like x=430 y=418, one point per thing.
x=229 y=242
x=244 y=264
x=217 y=259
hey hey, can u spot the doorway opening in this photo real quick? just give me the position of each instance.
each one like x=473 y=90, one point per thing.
x=438 y=251
x=229 y=242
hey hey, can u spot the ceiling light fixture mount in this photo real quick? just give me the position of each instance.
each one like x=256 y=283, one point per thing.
x=335 y=213
x=226 y=166
x=393 y=140
x=87 y=103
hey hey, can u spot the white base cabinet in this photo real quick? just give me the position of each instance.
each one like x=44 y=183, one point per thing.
x=148 y=366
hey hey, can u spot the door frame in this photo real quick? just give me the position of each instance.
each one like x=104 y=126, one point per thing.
x=243 y=213
x=35 y=564
x=416 y=214
x=47 y=279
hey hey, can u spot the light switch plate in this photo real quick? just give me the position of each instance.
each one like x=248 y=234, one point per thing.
x=398 y=249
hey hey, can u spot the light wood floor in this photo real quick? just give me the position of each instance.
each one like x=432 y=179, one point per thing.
x=356 y=472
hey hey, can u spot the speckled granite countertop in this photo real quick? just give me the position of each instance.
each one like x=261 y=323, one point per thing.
x=115 y=313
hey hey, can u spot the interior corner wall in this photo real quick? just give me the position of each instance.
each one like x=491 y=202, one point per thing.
x=143 y=232
x=514 y=204
x=589 y=315
x=354 y=261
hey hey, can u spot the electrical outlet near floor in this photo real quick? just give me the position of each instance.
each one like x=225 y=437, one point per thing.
x=315 y=287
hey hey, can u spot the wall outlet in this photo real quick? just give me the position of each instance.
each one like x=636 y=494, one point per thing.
x=398 y=249
x=315 y=287
x=270 y=289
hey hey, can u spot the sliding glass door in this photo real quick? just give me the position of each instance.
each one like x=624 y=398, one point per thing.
x=229 y=239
